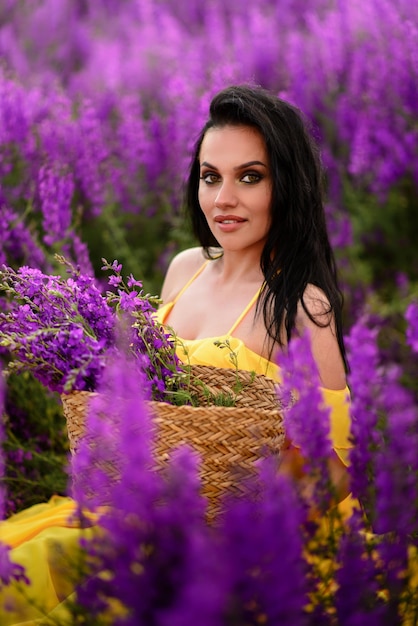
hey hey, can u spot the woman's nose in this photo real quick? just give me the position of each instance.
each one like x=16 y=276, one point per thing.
x=226 y=195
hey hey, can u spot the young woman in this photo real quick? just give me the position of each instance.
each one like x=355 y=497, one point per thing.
x=265 y=268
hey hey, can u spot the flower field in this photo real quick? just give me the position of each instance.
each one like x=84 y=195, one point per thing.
x=100 y=105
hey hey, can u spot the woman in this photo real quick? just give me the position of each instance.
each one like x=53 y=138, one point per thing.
x=265 y=268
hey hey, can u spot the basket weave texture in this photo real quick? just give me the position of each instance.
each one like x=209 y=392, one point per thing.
x=228 y=439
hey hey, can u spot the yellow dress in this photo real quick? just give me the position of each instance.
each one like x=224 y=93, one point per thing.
x=44 y=535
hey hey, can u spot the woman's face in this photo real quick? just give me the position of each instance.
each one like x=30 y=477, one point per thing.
x=235 y=186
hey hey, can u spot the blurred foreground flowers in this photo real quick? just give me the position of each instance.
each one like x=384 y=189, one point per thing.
x=153 y=559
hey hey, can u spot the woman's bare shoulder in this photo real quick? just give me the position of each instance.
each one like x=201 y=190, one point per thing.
x=317 y=303
x=182 y=267
x=324 y=344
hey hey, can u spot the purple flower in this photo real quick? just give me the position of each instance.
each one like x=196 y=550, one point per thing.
x=116 y=267
x=357 y=601
x=132 y=282
x=411 y=317
x=56 y=193
x=307 y=418
x=396 y=461
x=17 y=242
x=114 y=281
x=155 y=528
x=264 y=573
x=62 y=329
x=9 y=571
x=365 y=382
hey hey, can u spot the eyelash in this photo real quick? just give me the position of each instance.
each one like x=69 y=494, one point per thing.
x=258 y=177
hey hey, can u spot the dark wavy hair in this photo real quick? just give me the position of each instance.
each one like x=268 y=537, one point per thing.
x=297 y=250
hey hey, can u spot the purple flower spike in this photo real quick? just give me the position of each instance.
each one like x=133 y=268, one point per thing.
x=265 y=575
x=411 y=317
x=56 y=192
x=397 y=462
x=365 y=382
x=9 y=571
x=157 y=540
x=307 y=418
x=116 y=420
x=356 y=598
x=63 y=329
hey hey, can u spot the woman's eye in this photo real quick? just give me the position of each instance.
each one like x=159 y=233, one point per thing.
x=210 y=178
x=251 y=178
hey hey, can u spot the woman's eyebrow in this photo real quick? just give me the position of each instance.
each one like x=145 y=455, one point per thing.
x=249 y=164
x=238 y=167
x=206 y=164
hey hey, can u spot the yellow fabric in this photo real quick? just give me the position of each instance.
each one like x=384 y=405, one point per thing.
x=59 y=511
x=45 y=540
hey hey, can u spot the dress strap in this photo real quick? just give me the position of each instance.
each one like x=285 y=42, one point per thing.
x=245 y=311
x=189 y=282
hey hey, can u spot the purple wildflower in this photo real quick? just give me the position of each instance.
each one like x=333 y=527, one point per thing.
x=9 y=571
x=307 y=418
x=132 y=282
x=155 y=530
x=78 y=251
x=396 y=461
x=62 y=329
x=265 y=575
x=57 y=328
x=365 y=383
x=397 y=484
x=411 y=317
x=114 y=281
x=356 y=599
x=56 y=193
x=17 y=242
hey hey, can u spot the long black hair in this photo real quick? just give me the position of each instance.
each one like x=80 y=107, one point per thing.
x=297 y=250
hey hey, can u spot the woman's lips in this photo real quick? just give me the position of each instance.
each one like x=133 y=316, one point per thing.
x=228 y=219
x=229 y=223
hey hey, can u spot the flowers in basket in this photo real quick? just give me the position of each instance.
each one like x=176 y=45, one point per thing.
x=64 y=329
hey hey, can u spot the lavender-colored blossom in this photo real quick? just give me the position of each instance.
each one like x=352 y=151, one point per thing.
x=411 y=317
x=63 y=329
x=2 y=464
x=357 y=601
x=384 y=468
x=156 y=528
x=78 y=251
x=9 y=571
x=265 y=575
x=57 y=328
x=396 y=461
x=396 y=481
x=365 y=383
x=17 y=243
x=56 y=193
x=306 y=419
x=91 y=158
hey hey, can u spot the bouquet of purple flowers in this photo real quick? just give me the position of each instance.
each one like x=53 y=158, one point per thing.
x=63 y=330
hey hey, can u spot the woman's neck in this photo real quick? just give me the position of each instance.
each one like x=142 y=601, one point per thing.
x=238 y=267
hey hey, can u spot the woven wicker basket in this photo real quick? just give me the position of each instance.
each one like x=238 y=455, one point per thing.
x=228 y=439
